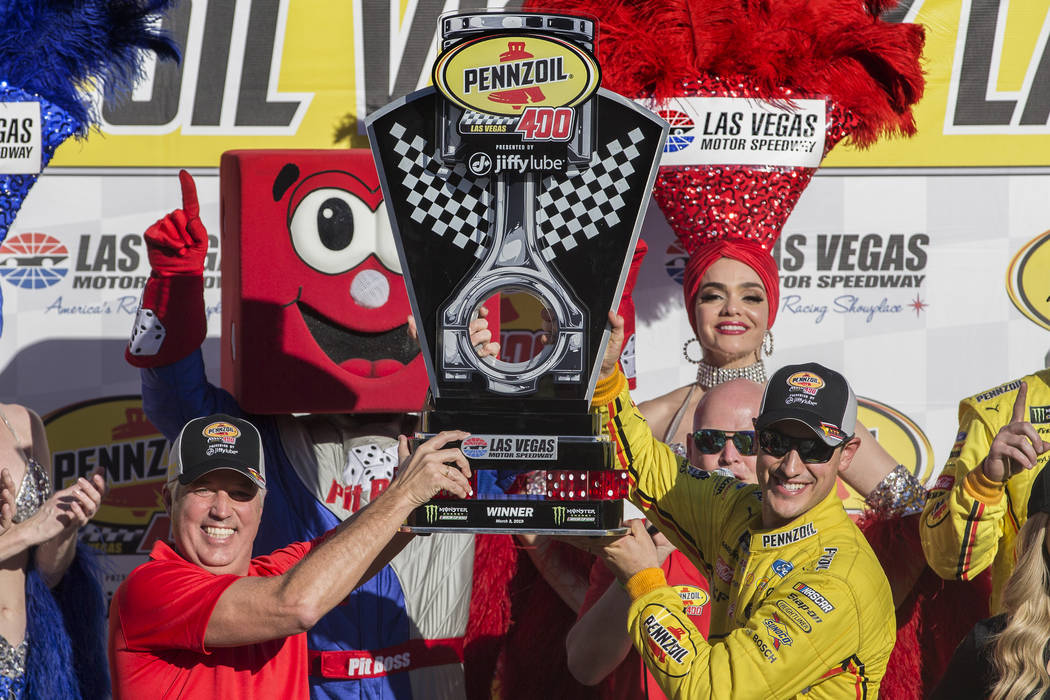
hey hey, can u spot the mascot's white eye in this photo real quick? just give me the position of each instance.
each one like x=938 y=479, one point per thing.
x=332 y=231
x=385 y=247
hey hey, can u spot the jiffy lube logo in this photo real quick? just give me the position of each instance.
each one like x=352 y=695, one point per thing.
x=506 y=73
x=807 y=382
x=1028 y=280
x=226 y=432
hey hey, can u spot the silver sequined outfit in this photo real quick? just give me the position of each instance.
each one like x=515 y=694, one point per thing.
x=32 y=492
x=897 y=495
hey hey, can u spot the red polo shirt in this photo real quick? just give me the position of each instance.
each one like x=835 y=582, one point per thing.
x=157 y=622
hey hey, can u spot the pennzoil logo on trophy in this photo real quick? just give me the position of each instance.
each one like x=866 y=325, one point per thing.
x=529 y=83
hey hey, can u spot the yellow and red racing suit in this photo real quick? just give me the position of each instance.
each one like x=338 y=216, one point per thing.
x=803 y=608
x=970 y=521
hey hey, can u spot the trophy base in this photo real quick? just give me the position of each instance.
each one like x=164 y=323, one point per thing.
x=530 y=452
x=522 y=422
x=617 y=531
x=524 y=516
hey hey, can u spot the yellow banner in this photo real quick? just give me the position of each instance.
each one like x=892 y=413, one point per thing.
x=274 y=74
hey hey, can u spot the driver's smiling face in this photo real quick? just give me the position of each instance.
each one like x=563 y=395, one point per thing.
x=791 y=487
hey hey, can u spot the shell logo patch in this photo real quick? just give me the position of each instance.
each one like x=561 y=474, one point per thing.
x=227 y=432
x=500 y=74
x=807 y=382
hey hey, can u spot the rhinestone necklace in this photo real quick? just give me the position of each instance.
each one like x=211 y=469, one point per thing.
x=708 y=376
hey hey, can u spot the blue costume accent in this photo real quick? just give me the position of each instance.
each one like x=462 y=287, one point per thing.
x=54 y=53
x=374 y=616
x=66 y=628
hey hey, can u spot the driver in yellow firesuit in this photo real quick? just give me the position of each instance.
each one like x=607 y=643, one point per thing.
x=800 y=604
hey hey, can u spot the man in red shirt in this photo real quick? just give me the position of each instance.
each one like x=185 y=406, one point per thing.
x=207 y=620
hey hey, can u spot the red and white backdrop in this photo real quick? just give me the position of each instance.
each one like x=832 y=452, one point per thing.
x=920 y=268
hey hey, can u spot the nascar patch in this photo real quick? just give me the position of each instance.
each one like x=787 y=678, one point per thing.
x=822 y=603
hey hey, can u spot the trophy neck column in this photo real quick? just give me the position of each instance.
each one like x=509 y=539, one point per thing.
x=515 y=220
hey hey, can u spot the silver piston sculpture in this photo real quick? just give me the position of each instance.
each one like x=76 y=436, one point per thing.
x=516 y=174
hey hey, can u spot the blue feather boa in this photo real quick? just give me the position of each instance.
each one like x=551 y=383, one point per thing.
x=67 y=633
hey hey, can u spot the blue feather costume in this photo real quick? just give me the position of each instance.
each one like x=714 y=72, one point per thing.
x=56 y=52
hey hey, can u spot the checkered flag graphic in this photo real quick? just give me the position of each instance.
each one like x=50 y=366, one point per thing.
x=451 y=204
x=578 y=207
x=472 y=118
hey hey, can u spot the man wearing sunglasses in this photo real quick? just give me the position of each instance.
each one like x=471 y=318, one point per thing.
x=799 y=601
x=723 y=433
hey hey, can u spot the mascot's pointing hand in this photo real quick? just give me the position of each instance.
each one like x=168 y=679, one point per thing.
x=171 y=322
x=178 y=243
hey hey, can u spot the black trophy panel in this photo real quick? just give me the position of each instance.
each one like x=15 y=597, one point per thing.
x=586 y=219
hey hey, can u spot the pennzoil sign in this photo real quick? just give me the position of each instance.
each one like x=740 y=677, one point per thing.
x=510 y=74
x=1028 y=280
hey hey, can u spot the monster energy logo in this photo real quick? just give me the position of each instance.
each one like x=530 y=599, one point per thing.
x=559 y=515
x=432 y=513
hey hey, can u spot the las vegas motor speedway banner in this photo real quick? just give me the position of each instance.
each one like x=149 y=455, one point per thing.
x=920 y=268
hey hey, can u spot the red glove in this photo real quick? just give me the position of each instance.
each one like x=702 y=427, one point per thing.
x=171 y=323
x=178 y=243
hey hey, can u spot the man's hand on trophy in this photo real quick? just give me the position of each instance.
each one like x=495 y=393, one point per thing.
x=481 y=336
x=612 y=350
x=432 y=468
x=178 y=243
x=627 y=555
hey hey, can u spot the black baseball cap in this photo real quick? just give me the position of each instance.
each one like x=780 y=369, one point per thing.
x=818 y=397
x=1039 y=498
x=215 y=442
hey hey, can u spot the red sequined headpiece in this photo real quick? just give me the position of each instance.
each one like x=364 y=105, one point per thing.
x=865 y=69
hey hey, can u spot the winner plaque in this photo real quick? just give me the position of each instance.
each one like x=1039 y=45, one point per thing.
x=517 y=176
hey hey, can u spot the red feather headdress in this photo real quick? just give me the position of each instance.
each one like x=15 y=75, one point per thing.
x=867 y=70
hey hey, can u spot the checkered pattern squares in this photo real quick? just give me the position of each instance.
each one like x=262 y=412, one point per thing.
x=473 y=118
x=446 y=201
x=576 y=207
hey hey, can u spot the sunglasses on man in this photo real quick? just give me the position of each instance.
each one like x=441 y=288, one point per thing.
x=811 y=450
x=710 y=441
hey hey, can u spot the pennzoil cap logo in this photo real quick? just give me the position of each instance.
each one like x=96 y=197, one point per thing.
x=1026 y=280
x=501 y=74
x=807 y=382
x=227 y=432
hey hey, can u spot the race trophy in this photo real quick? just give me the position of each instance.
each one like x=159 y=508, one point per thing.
x=517 y=175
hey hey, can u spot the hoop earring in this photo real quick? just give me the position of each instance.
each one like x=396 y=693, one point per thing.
x=767 y=343
x=685 y=351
